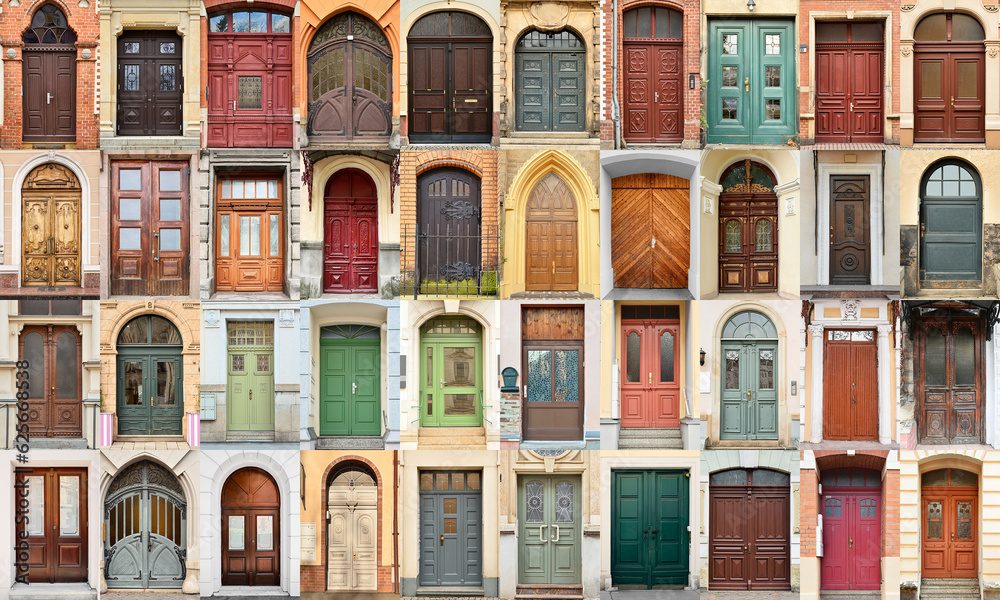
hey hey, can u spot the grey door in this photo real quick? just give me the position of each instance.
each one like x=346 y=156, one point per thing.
x=951 y=216
x=451 y=547
x=749 y=397
x=549 y=527
x=550 y=82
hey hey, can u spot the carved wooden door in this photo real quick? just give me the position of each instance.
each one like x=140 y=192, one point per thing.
x=56 y=525
x=551 y=248
x=852 y=511
x=49 y=78
x=250 y=237
x=150 y=83
x=552 y=346
x=650 y=231
x=50 y=227
x=449 y=219
x=251 y=534
x=352 y=545
x=850 y=385
x=653 y=96
x=850 y=234
x=949 y=357
x=350 y=215
x=849 y=89
x=949 y=524
x=650 y=383
x=550 y=82
x=54 y=369
x=748 y=230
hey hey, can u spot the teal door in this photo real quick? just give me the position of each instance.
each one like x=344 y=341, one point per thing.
x=451 y=373
x=650 y=541
x=350 y=380
x=549 y=529
x=250 y=380
x=751 y=81
x=749 y=397
x=150 y=390
x=451 y=529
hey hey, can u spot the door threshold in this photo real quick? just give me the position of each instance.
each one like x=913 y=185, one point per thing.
x=249 y=591
x=552 y=445
x=53 y=591
x=455 y=590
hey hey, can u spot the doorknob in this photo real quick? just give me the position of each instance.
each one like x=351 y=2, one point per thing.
x=442 y=540
x=48 y=98
x=746 y=549
x=553 y=267
x=540 y=528
x=746 y=84
x=850 y=542
x=748 y=395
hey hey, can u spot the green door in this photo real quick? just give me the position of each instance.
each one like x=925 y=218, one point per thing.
x=451 y=373
x=650 y=541
x=749 y=397
x=150 y=390
x=250 y=382
x=350 y=380
x=549 y=529
x=751 y=81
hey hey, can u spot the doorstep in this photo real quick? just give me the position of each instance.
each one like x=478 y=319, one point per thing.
x=247 y=591
x=53 y=591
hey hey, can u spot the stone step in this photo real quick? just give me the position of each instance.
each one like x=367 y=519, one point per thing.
x=52 y=591
x=457 y=444
x=451 y=432
x=350 y=442
x=549 y=591
x=950 y=589
x=652 y=437
x=665 y=444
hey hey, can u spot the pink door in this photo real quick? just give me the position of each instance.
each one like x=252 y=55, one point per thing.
x=852 y=534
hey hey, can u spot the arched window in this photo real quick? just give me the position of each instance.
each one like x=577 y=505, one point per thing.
x=951 y=213
x=49 y=26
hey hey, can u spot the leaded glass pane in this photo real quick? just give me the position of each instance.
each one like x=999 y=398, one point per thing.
x=730 y=477
x=772 y=76
x=961 y=478
x=766 y=370
x=763 y=235
x=772 y=109
x=239 y=363
x=168 y=80
x=534 y=501
x=869 y=508
x=729 y=108
x=937 y=478
x=863 y=336
x=730 y=44
x=769 y=477
x=249 y=91
x=729 y=75
x=168 y=47
x=131 y=47
x=935 y=531
x=567 y=376
x=539 y=375
x=426 y=481
x=632 y=357
x=772 y=43
x=224 y=235
x=666 y=357
x=732 y=369
x=131 y=77
x=734 y=237
x=964 y=521
x=564 y=502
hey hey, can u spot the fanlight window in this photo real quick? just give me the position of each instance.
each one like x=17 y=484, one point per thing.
x=349 y=332
x=149 y=329
x=749 y=477
x=654 y=22
x=554 y=39
x=353 y=477
x=949 y=27
x=748 y=177
x=451 y=326
x=327 y=53
x=952 y=180
x=449 y=24
x=949 y=478
x=850 y=478
x=749 y=324
x=49 y=26
x=249 y=21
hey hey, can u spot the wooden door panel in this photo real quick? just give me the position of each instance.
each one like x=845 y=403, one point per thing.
x=865 y=371
x=837 y=414
x=534 y=91
x=637 y=94
x=748 y=242
x=53 y=354
x=57 y=543
x=850 y=260
x=631 y=230
x=551 y=248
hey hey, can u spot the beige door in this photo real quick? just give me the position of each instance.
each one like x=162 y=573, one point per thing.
x=352 y=556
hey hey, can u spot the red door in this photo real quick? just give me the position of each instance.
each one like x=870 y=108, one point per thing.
x=849 y=75
x=653 y=97
x=350 y=249
x=950 y=503
x=852 y=530
x=650 y=387
x=850 y=385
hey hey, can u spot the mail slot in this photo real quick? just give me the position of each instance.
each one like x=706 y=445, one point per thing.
x=472 y=100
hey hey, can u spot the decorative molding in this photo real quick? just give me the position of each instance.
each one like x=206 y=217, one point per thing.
x=907 y=7
x=708 y=204
x=790 y=206
x=548 y=16
x=851 y=307
x=991 y=7
x=286 y=317
x=906 y=49
x=211 y=318
x=992 y=51
x=816 y=330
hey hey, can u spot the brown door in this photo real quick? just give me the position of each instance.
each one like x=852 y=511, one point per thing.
x=251 y=506
x=50 y=227
x=350 y=249
x=850 y=257
x=949 y=79
x=551 y=238
x=653 y=96
x=451 y=66
x=449 y=219
x=150 y=83
x=49 y=77
x=250 y=245
x=850 y=385
x=749 y=532
x=149 y=228
x=950 y=503
x=748 y=229
x=552 y=340
x=949 y=355
x=650 y=231
x=54 y=395
x=849 y=74
x=650 y=383
x=56 y=527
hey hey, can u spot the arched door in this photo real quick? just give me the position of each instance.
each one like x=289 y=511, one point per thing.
x=49 y=78
x=451 y=373
x=449 y=218
x=145 y=528
x=50 y=227
x=350 y=382
x=551 y=252
x=54 y=372
x=750 y=376
x=550 y=88
x=350 y=80
x=852 y=529
x=353 y=531
x=949 y=90
x=951 y=226
x=251 y=537
x=450 y=78
x=653 y=96
x=350 y=233
x=150 y=397
x=949 y=500
x=748 y=229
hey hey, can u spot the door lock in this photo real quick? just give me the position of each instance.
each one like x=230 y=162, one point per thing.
x=953 y=536
x=853 y=398
x=251 y=394
x=922 y=229
x=746 y=84
x=650 y=378
x=355 y=556
x=746 y=549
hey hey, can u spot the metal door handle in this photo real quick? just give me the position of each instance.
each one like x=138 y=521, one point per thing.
x=48 y=98
x=746 y=549
x=440 y=384
x=354 y=388
x=156 y=246
x=149 y=545
x=853 y=399
x=852 y=105
x=953 y=536
x=51 y=245
x=650 y=378
x=355 y=557
x=656 y=96
x=746 y=84
x=953 y=102
x=540 y=528
x=653 y=243
x=251 y=395
x=748 y=395
x=850 y=542
x=442 y=540
x=553 y=267
x=557 y=533
x=234 y=104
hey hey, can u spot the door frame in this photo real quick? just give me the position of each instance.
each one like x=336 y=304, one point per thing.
x=522 y=479
x=826 y=341
x=876 y=240
x=434 y=493
x=439 y=341
x=349 y=203
x=668 y=324
x=551 y=240
x=928 y=466
x=851 y=491
x=83 y=513
x=50 y=336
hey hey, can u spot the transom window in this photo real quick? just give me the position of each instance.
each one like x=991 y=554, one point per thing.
x=952 y=179
x=550 y=39
x=247 y=21
x=949 y=27
x=49 y=26
x=654 y=22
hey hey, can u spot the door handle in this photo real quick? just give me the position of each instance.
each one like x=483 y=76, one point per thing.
x=540 y=528
x=250 y=399
x=442 y=540
x=852 y=105
x=355 y=556
x=354 y=388
x=850 y=542
x=51 y=244
x=746 y=549
x=48 y=98
x=922 y=230
x=557 y=534
x=656 y=96
x=644 y=532
x=234 y=104
x=853 y=399
x=156 y=246
x=553 y=267
x=748 y=395
x=650 y=378
x=746 y=84
x=953 y=536
x=653 y=243
x=953 y=102
x=440 y=384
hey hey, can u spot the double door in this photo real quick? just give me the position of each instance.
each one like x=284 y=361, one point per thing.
x=54 y=392
x=949 y=92
x=150 y=83
x=949 y=388
x=451 y=529
x=749 y=390
x=49 y=94
x=551 y=252
x=950 y=544
x=852 y=540
x=549 y=531
x=250 y=380
x=849 y=92
x=850 y=385
x=550 y=89
x=748 y=242
x=650 y=540
x=650 y=386
x=250 y=552
x=353 y=544
x=350 y=402
x=451 y=376
x=150 y=393
x=449 y=244
x=850 y=251
x=350 y=235
x=50 y=234
x=654 y=93
x=450 y=91
x=56 y=525
x=145 y=546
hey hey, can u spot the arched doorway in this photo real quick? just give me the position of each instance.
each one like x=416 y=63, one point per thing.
x=951 y=224
x=350 y=382
x=350 y=233
x=653 y=95
x=145 y=524
x=450 y=78
x=251 y=537
x=750 y=376
x=350 y=80
x=543 y=100
x=150 y=396
x=50 y=227
x=451 y=372
x=748 y=229
x=949 y=61
x=353 y=530
x=949 y=500
x=54 y=371
x=852 y=529
x=745 y=506
x=551 y=250
x=449 y=219
x=49 y=77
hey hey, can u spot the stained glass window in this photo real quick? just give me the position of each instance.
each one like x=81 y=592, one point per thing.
x=730 y=43
x=729 y=477
x=729 y=75
x=539 y=375
x=732 y=369
x=535 y=501
x=131 y=78
x=168 y=81
x=249 y=91
x=763 y=235
x=766 y=370
x=567 y=376
x=734 y=238
x=131 y=47
x=729 y=108
x=772 y=76
x=564 y=502
x=772 y=109
x=772 y=43
x=935 y=530
x=168 y=47
x=964 y=521
x=238 y=363
x=263 y=363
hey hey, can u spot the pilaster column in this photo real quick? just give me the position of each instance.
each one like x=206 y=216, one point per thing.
x=816 y=413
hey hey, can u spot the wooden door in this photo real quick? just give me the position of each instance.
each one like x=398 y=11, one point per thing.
x=749 y=542
x=54 y=369
x=451 y=529
x=49 y=95
x=851 y=506
x=251 y=535
x=250 y=382
x=350 y=240
x=553 y=359
x=349 y=66
x=352 y=547
x=549 y=82
x=150 y=83
x=951 y=229
x=449 y=218
x=949 y=357
x=850 y=385
x=150 y=391
x=649 y=529
x=653 y=95
x=551 y=248
x=350 y=380
x=749 y=394
x=748 y=230
x=451 y=79
x=549 y=530
x=149 y=228
x=949 y=524
x=50 y=227
x=451 y=373
x=849 y=88
x=249 y=92
x=250 y=243
x=56 y=526
x=850 y=233
x=650 y=231
x=650 y=386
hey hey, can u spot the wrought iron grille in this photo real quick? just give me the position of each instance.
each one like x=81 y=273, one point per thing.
x=451 y=259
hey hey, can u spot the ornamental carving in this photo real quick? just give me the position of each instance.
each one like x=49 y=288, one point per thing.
x=548 y=16
x=906 y=49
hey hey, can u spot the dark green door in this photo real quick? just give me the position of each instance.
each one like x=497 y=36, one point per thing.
x=350 y=380
x=549 y=529
x=150 y=391
x=751 y=81
x=650 y=541
x=451 y=529
x=749 y=396
x=451 y=373
x=250 y=381
x=550 y=82
x=951 y=248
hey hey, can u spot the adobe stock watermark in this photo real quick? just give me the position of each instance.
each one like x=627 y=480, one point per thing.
x=22 y=443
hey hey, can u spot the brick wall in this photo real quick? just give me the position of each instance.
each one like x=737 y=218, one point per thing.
x=808 y=503
x=510 y=413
